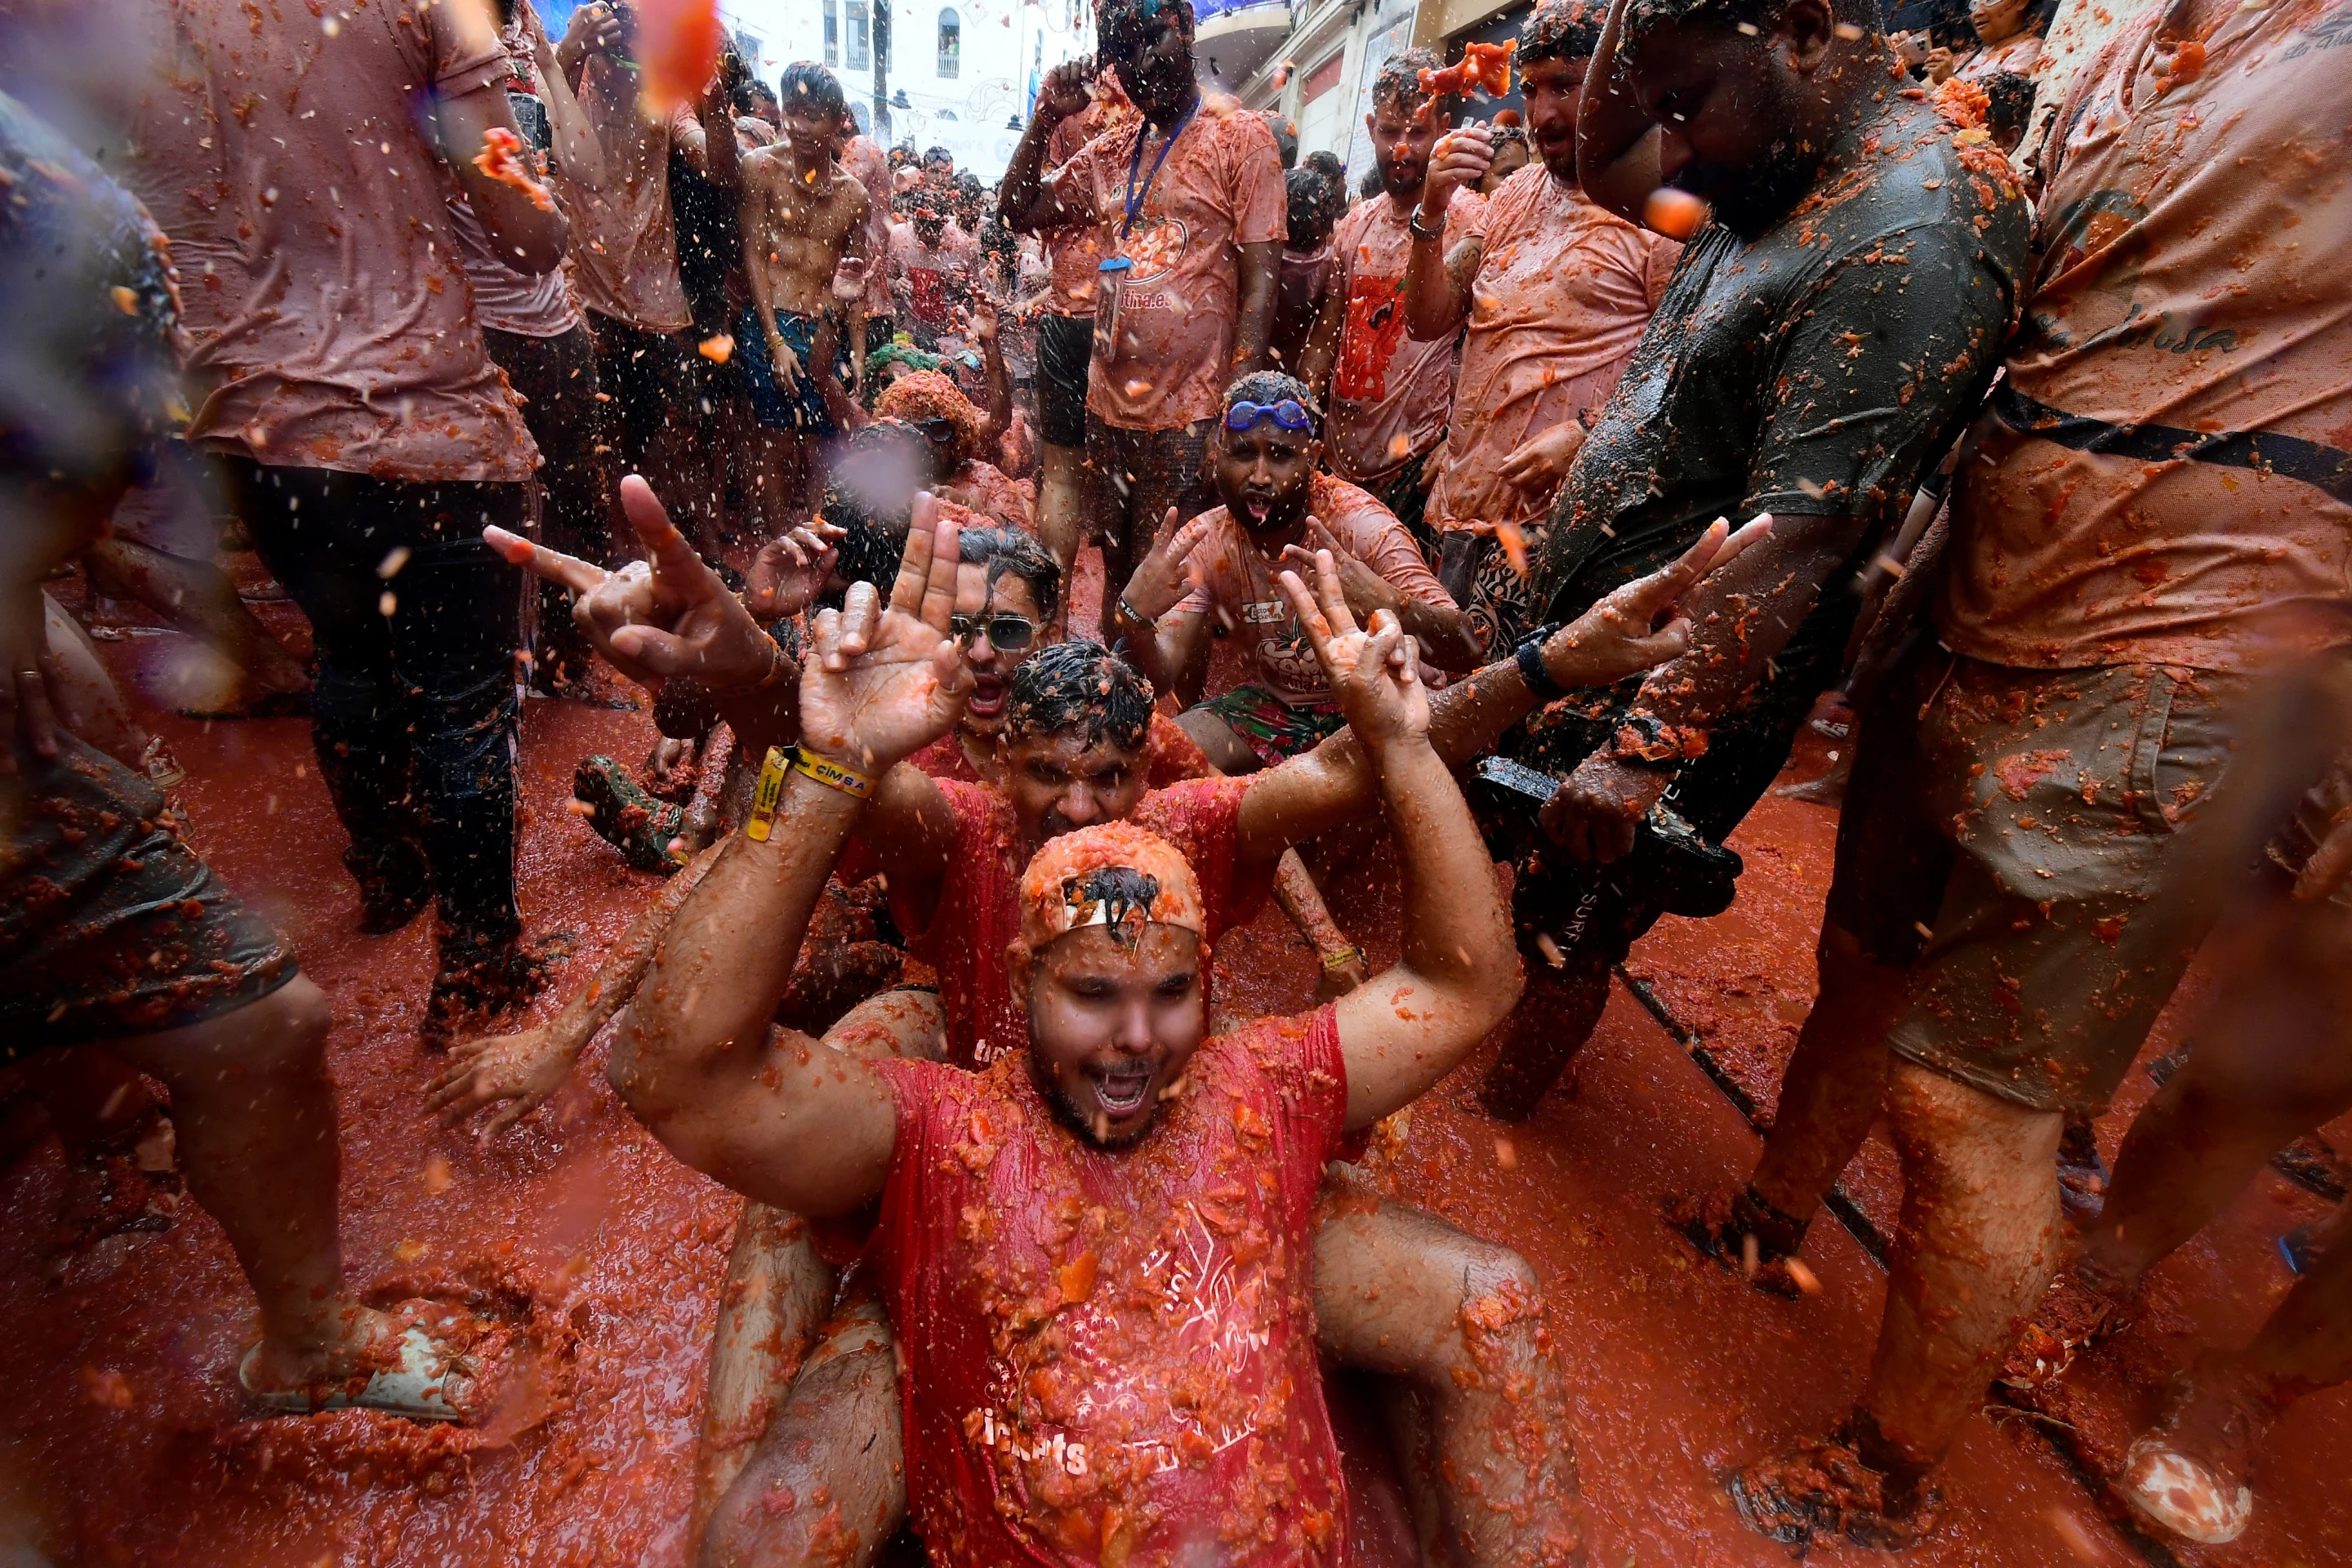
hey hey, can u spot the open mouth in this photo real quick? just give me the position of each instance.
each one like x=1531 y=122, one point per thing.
x=987 y=699
x=1120 y=1090
x=1257 y=510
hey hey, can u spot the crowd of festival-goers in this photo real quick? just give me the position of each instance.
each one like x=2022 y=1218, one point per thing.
x=1529 y=501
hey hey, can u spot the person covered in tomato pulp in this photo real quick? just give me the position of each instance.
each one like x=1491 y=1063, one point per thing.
x=1096 y=1250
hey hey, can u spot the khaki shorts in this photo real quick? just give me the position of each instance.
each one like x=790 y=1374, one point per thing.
x=2005 y=837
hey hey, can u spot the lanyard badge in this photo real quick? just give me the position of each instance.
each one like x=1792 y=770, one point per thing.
x=1113 y=273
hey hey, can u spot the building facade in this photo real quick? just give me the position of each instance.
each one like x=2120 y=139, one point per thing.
x=958 y=74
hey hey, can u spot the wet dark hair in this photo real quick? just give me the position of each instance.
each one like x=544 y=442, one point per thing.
x=1327 y=163
x=1009 y=552
x=808 y=84
x=1315 y=206
x=1079 y=683
x=1641 y=15
x=1272 y=386
x=2009 y=103
x=1285 y=137
x=1121 y=26
x=1400 y=83
x=89 y=382
x=751 y=93
x=1571 y=29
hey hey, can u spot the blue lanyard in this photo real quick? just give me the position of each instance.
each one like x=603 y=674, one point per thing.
x=1135 y=199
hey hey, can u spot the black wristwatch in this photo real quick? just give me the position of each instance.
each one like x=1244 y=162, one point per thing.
x=1413 y=225
x=1531 y=664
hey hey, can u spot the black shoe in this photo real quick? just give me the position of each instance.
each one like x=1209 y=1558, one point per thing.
x=395 y=884
x=477 y=985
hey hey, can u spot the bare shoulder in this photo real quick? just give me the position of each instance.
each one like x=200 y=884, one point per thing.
x=758 y=168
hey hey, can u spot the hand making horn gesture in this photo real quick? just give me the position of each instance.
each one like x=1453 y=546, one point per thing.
x=670 y=616
x=1374 y=670
x=882 y=684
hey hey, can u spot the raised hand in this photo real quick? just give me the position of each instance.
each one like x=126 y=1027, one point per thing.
x=669 y=616
x=595 y=29
x=1460 y=158
x=1367 y=590
x=523 y=1070
x=1374 y=672
x=1067 y=88
x=1641 y=625
x=885 y=683
x=790 y=572
x=1159 y=584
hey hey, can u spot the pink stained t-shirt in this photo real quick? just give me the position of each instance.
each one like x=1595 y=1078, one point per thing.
x=624 y=257
x=1112 y=1354
x=1164 y=333
x=1076 y=251
x=1390 y=392
x=170 y=161
x=2192 y=297
x=353 y=345
x=1563 y=289
x=530 y=305
x=1233 y=578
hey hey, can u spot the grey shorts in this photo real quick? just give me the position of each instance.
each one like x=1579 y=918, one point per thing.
x=110 y=925
x=2007 y=838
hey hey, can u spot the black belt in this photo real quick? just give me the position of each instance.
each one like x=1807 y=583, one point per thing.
x=2326 y=468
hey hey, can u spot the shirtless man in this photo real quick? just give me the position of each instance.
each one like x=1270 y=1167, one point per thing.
x=803 y=222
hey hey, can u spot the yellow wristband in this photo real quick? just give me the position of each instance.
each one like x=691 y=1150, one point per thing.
x=765 y=799
x=834 y=774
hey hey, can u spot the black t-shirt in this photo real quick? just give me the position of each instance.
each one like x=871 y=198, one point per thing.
x=1816 y=369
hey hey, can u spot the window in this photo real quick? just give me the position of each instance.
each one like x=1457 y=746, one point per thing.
x=861 y=36
x=832 y=33
x=951 y=42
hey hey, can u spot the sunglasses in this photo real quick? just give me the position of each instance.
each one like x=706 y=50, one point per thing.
x=1006 y=633
x=939 y=432
x=1290 y=414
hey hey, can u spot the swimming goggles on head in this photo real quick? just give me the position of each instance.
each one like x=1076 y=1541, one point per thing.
x=1290 y=414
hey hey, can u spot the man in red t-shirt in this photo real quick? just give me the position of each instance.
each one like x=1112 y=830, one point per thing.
x=1097 y=1251
x=1081 y=766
